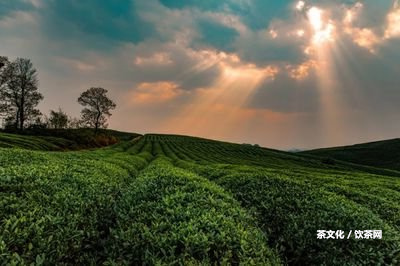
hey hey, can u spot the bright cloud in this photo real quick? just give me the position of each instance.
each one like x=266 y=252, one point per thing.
x=393 y=24
x=155 y=92
x=156 y=59
x=302 y=71
x=300 y=5
x=323 y=28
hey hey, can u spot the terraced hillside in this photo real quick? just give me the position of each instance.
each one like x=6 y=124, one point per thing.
x=63 y=139
x=181 y=200
x=32 y=142
x=384 y=154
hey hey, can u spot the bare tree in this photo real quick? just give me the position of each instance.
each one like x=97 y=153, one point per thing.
x=58 y=119
x=97 y=107
x=3 y=66
x=19 y=92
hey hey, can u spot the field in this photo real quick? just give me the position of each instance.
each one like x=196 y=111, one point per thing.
x=176 y=200
x=384 y=154
x=63 y=139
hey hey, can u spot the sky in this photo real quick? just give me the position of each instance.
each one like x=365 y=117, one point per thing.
x=281 y=74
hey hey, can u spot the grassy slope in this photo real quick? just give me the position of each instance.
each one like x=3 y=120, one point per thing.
x=165 y=199
x=32 y=142
x=383 y=154
x=294 y=196
x=65 y=139
x=119 y=205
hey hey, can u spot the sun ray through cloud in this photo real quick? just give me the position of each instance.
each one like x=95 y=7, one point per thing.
x=323 y=45
x=215 y=109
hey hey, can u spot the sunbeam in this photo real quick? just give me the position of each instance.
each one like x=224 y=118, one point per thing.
x=215 y=110
x=323 y=46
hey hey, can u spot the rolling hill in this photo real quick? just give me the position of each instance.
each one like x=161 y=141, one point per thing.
x=62 y=139
x=383 y=154
x=167 y=199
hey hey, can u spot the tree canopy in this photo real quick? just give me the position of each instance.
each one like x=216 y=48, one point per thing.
x=19 y=92
x=58 y=119
x=97 y=107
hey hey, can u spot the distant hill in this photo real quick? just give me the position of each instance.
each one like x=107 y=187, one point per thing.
x=63 y=139
x=382 y=154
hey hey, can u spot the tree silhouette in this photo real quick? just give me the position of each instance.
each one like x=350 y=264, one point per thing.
x=19 y=91
x=58 y=119
x=97 y=107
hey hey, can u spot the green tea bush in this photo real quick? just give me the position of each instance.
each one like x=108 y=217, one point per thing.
x=291 y=213
x=171 y=216
x=58 y=208
x=292 y=204
x=175 y=200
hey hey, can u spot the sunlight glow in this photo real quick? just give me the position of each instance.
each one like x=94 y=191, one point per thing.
x=154 y=92
x=363 y=37
x=216 y=110
x=156 y=59
x=323 y=51
x=273 y=34
x=302 y=71
x=300 y=33
x=315 y=18
x=348 y=19
x=324 y=35
x=323 y=31
x=366 y=38
x=393 y=27
x=300 y=5
x=352 y=13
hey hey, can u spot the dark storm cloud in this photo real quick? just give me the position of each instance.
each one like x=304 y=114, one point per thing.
x=367 y=82
x=375 y=77
x=204 y=4
x=254 y=13
x=200 y=79
x=257 y=14
x=216 y=35
x=261 y=49
x=7 y=7
x=95 y=23
x=287 y=95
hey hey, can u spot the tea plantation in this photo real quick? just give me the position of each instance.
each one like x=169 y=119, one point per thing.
x=176 y=200
x=385 y=153
x=63 y=139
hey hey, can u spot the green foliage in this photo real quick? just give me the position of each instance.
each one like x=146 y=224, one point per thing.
x=63 y=139
x=58 y=119
x=59 y=207
x=384 y=154
x=171 y=216
x=19 y=95
x=293 y=197
x=97 y=107
x=33 y=143
x=164 y=199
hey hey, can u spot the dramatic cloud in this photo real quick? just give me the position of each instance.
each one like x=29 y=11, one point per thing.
x=7 y=8
x=97 y=25
x=279 y=73
x=155 y=93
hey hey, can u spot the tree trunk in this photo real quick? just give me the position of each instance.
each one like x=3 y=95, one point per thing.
x=17 y=119
x=96 y=125
x=22 y=111
x=21 y=120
